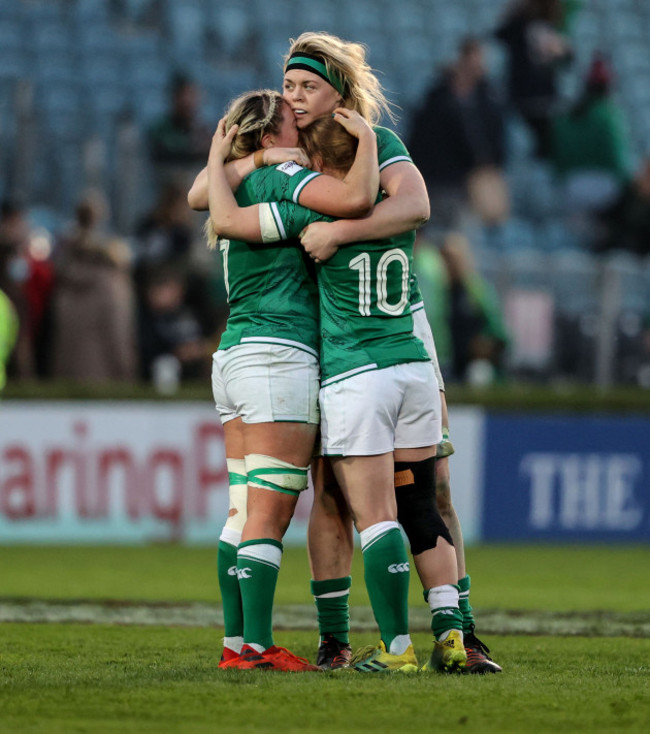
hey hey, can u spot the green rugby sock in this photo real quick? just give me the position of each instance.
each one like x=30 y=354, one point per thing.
x=333 y=608
x=387 y=575
x=233 y=617
x=465 y=607
x=258 y=564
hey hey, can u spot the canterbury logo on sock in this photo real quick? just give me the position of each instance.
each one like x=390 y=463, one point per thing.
x=399 y=568
x=244 y=573
x=232 y=571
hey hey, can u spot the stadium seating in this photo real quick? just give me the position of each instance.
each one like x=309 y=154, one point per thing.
x=93 y=63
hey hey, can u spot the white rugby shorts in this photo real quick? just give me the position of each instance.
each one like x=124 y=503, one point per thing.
x=379 y=410
x=265 y=383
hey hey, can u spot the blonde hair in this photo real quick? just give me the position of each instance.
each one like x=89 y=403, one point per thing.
x=347 y=60
x=257 y=113
x=331 y=142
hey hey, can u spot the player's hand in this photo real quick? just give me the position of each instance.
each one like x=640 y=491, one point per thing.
x=318 y=241
x=352 y=122
x=222 y=140
x=274 y=156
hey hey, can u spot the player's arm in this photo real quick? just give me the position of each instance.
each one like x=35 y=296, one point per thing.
x=227 y=217
x=238 y=169
x=356 y=193
x=258 y=223
x=405 y=208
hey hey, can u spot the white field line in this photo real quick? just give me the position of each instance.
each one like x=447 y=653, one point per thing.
x=595 y=624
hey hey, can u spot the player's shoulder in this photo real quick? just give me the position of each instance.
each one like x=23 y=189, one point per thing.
x=386 y=135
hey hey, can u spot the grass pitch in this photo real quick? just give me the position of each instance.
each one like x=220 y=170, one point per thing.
x=139 y=675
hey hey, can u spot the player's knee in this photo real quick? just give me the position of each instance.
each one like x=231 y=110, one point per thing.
x=267 y=472
x=417 y=510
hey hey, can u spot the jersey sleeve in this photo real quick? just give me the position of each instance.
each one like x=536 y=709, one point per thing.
x=284 y=220
x=390 y=148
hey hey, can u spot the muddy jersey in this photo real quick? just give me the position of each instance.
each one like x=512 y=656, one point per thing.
x=272 y=294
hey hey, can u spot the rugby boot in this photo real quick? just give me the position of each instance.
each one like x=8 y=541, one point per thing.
x=227 y=655
x=249 y=659
x=333 y=654
x=478 y=660
x=449 y=655
x=377 y=660
x=282 y=659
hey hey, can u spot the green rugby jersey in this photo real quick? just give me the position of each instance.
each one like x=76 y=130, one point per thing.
x=364 y=291
x=273 y=297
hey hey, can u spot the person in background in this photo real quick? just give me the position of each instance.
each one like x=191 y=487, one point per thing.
x=170 y=336
x=589 y=148
x=179 y=141
x=458 y=135
x=26 y=276
x=463 y=310
x=533 y=34
x=92 y=302
x=625 y=224
x=165 y=249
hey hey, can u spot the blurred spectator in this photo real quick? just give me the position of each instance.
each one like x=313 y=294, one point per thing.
x=457 y=141
x=625 y=224
x=179 y=142
x=463 y=310
x=172 y=343
x=532 y=32
x=165 y=243
x=93 y=309
x=26 y=278
x=589 y=149
x=8 y=334
x=164 y=236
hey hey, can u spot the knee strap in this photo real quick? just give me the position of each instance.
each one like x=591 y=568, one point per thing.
x=415 y=491
x=267 y=472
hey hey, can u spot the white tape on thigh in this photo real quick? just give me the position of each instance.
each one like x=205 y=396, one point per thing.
x=238 y=494
x=267 y=472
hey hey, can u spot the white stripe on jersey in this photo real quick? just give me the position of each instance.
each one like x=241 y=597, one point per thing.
x=271 y=225
x=302 y=185
x=417 y=306
x=395 y=159
x=275 y=340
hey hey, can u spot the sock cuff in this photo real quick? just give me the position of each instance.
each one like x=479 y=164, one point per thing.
x=268 y=553
x=261 y=541
x=331 y=586
x=376 y=532
x=230 y=537
x=464 y=583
